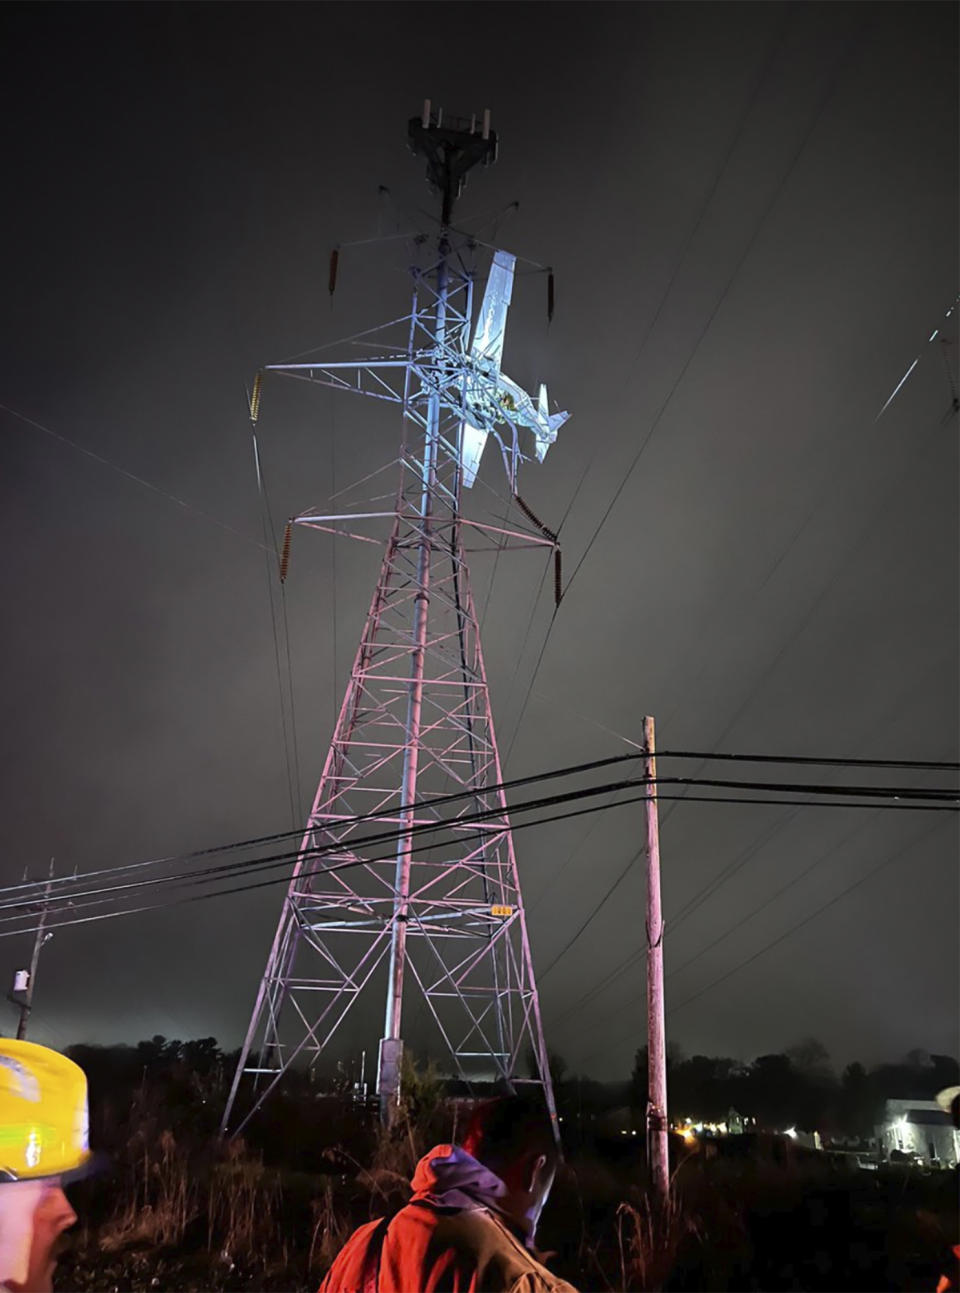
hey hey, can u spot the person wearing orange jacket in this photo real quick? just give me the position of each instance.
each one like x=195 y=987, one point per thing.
x=471 y=1220
x=43 y=1144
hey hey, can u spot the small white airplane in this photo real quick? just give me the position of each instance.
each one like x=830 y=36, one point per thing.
x=491 y=396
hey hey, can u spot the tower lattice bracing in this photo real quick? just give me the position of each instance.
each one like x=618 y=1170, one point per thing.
x=390 y=886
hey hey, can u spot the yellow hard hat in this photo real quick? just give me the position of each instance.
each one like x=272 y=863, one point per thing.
x=43 y=1113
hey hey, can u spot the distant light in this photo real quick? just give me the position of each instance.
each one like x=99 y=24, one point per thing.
x=634 y=1132
x=933 y=334
x=791 y=1132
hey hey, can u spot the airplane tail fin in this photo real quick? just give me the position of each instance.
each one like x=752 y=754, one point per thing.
x=550 y=424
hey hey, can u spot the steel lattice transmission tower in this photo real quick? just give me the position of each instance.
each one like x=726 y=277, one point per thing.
x=441 y=909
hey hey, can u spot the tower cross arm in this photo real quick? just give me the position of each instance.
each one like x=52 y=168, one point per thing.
x=380 y=378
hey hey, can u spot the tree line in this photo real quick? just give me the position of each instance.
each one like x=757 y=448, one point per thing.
x=797 y=1087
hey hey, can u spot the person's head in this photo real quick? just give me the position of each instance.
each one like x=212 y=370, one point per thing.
x=43 y=1143
x=514 y=1137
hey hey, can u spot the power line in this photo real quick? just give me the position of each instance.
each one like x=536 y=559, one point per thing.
x=806 y=919
x=697 y=224
x=274 y=861
x=291 y=753
x=555 y=876
x=366 y=862
x=726 y=874
x=293 y=708
x=774 y=198
x=829 y=91
x=129 y=475
x=903 y=794
x=932 y=337
x=793 y=539
x=269 y=863
x=715 y=883
x=799 y=628
x=685 y=912
x=624 y=966
x=814 y=760
x=332 y=406
x=733 y=867
x=382 y=837
x=533 y=612
x=599 y=907
x=388 y=835
x=704 y=756
x=838 y=569
x=501 y=543
x=807 y=787
x=533 y=677
x=703 y=334
x=828 y=790
x=867 y=792
x=255 y=841
x=893 y=857
x=767 y=902
x=277 y=860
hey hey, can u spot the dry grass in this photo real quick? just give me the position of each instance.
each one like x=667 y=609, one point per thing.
x=192 y=1212
x=330 y=1231
x=161 y=1199
x=244 y=1205
x=649 y=1236
x=168 y=1189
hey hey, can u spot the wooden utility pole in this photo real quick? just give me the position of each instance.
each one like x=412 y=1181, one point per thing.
x=657 y=1128
x=26 y=1005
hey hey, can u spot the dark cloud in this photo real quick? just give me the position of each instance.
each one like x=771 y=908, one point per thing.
x=752 y=212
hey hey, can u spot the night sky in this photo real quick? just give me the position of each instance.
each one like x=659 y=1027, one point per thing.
x=752 y=214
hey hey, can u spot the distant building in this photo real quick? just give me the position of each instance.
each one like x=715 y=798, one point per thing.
x=920 y=1129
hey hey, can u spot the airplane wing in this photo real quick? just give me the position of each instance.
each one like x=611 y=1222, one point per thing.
x=487 y=351
x=471 y=451
x=492 y=322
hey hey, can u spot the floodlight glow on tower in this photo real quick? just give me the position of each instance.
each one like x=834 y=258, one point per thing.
x=391 y=886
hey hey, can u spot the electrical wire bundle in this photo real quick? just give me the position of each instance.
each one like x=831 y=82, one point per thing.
x=193 y=877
